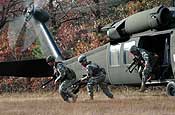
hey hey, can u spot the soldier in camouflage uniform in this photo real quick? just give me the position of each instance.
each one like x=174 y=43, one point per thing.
x=147 y=59
x=65 y=76
x=96 y=76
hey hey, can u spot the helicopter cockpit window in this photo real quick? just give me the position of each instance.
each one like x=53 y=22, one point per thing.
x=127 y=56
x=115 y=54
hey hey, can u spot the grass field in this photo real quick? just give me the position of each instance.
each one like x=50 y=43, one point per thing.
x=127 y=101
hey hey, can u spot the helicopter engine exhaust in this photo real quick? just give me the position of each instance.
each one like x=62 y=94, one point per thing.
x=156 y=18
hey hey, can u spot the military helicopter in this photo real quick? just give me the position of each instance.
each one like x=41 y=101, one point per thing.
x=152 y=30
x=143 y=29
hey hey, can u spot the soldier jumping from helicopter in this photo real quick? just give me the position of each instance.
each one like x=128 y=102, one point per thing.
x=147 y=60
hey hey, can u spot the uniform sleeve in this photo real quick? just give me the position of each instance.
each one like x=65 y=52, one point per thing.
x=89 y=71
x=145 y=56
x=62 y=71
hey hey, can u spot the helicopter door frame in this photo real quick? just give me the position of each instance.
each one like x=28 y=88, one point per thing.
x=172 y=51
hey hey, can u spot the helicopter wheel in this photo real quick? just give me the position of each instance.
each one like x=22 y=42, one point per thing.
x=170 y=89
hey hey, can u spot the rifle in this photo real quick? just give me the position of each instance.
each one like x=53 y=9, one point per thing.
x=136 y=62
x=47 y=82
x=81 y=83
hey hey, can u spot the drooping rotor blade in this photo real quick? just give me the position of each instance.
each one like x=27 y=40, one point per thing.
x=21 y=35
x=40 y=3
x=14 y=30
x=17 y=26
x=30 y=36
x=27 y=36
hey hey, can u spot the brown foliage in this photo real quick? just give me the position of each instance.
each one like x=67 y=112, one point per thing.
x=76 y=28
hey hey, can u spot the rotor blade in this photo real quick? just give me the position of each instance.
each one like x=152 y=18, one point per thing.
x=15 y=26
x=21 y=35
x=29 y=36
x=14 y=30
x=40 y=3
x=27 y=3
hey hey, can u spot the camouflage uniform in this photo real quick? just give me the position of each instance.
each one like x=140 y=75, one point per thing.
x=147 y=69
x=97 y=77
x=66 y=76
x=146 y=60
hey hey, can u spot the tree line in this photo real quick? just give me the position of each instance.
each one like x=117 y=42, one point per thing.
x=75 y=25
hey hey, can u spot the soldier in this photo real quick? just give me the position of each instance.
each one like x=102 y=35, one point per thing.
x=148 y=60
x=65 y=76
x=96 y=76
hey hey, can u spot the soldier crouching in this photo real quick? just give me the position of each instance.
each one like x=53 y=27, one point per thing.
x=65 y=76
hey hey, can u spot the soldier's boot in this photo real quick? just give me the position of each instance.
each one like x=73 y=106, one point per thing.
x=74 y=97
x=107 y=91
x=67 y=100
x=142 y=88
x=65 y=97
x=111 y=96
x=91 y=97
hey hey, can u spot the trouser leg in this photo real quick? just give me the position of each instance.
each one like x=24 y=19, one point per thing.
x=106 y=89
x=145 y=76
x=90 y=90
x=63 y=95
x=142 y=87
x=71 y=94
x=66 y=92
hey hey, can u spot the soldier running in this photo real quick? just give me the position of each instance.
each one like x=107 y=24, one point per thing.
x=65 y=76
x=96 y=76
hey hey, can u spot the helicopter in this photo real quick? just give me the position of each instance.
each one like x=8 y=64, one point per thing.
x=143 y=29
x=152 y=30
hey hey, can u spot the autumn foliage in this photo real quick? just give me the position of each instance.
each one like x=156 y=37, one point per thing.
x=76 y=29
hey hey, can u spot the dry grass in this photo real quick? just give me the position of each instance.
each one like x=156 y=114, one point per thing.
x=127 y=101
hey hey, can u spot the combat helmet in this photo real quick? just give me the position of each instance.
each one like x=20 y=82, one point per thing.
x=82 y=58
x=50 y=58
x=134 y=49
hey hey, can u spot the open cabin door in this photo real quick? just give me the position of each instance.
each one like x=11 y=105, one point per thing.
x=118 y=61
